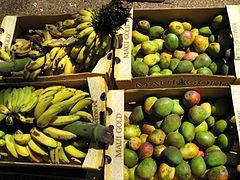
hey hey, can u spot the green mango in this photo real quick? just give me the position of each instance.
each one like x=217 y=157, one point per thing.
x=171 y=41
x=177 y=108
x=204 y=139
x=136 y=50
x=204 y=70
x=166 y=72
x=136 y=115
x=210 y=121
x=171 y=123
x=225 y=142
x=211 y=148
x=155 y=32
x=174 y=63
x=215 y=158
x=187 y=26
x=214 y=50
x=211 y=38
x=187 y=129
x=183 y=171
x=175 y=139
x=173 y=155
x=213 y=67
x=143 y=26
x=201 y=127
x=130 y=158
x=155 y=69
x=147 y=168
x=184 y=66
x=195 y=31
x=139 y=68
x=197 y=114
x=220 y=126
x=205 y=31
x=163 y=106
x=160 y=43
x=132 y=172
x=198 y=166
x=233 y=158
x=219 y=21
x=202 y=60
x=138 y=37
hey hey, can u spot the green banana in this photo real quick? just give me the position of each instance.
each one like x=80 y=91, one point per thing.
x=37 y=148
x=4 y=55
x=10 y=145
x=42 y=105
x=81 y=104
x=58 y=133
x=72 y=151
x=64 y=120
x=63 y=94
x=31 y=105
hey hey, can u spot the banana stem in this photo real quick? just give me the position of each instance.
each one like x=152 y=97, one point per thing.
x=96 y=132
x=13 y=65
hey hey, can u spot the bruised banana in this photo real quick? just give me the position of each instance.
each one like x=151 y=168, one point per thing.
x=25 y=120
x=53 y=52
x=39 y=62
x=64 y=120
x=42 y=138
x=37 y=148
x=21 y=150
x=10 y=145
x=62 y=63
x=75 y=50
x=33 y=157
x=59 y=134
x=73 y=151
x=33 y=75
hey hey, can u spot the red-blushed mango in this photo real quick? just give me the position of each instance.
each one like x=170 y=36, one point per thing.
x=186 y=38
x=189 y=150
x=147 y=168
x=218 y=173
x=200 y=43
x=134 y=143
x=190 y=56
x=143 y=26
x=166 y=172
x=191 y=98
x=145 y=150
x=179 y=54
x=207 y=107
x=149 y=47
x=157 y=137
x=176 y=27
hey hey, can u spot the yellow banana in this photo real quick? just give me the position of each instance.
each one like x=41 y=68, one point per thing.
x=64 y=120
x=48 y=62
x=51 y=88
x=85 y=32
x=83 y=25
x=27 y=95
x=53 y=42
x=22 y=138
x=84 y=116
x=28 y=107
x=72 y=151
x=33 y=157
x=7 y=98
x=75 y=50
x=87 y=62
x=69 y=32
x=53 y=30
x=4 y=55
x=34 y=74
x=81 y=55
x=69 y=23
x=38 y=91
x=61 y=53
x=78 y=96
x=3 y=152
x=90 y=38
x=59 y=134
x=10 y=145
x=9 y=120
x=37 y=148
x=46 y=35
x=42 y=105
x=46 y=94
x=81 y=104
x=68 y=67
x=82 y=19
x=84 y=12
x=2 y=116
x=4 y=109
x=63 y=94
x=42 y=138
x=21 y=150
x=53 y=154
x=18 y=44
x=25 y=120
x=34 y=53
x=62 y=63
x=26 y=73
x=1 y=96
x=24 y=49
x=62 y=156
x=36 y=64
x=53 y=52
x=14 y=101
x=57 y=158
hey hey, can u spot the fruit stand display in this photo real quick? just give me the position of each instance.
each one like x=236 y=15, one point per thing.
x=175 y=133
x=178 y=47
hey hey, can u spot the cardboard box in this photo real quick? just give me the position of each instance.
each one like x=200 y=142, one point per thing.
x=197 y=17
x=119 y=101
x=14 y=26
x=94 y=160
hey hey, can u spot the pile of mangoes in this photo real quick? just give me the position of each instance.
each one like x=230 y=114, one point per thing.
x=181 y=138
x=182 y=48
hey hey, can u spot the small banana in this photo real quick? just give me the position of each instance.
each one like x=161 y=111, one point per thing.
x=87 y=62
x=39 y=62
x=61 y=53
x=19 y=99
x=53 y=52
x=46 y=159
x=82 y=19
x=35 y=53
x=4 y=55
x=69 y=23
x=25 y=120
x=62 y=156
x=68 y=67
x=4 y=109
x=81 y=104
x=75 y=50
x=3 y=152
x=42 y=138
x=61 y=64
x=33 y=157
x=84 y=12
x=84 y=116
x=90 y=38
x=63 y=94
x=64 y=120
x=53 y=42
x=22 y=138
x=59 y=134
x=42 y=105
x=85 y=32
x=73 y=151
x=10 y=145
x=30 y=105
x=34 y=74
x=18 y=44
x=24 y=49
x=2 y=116
x=21 y=150
x=37 y=148
x=1 y=96
x=83 y=25
x=46 y=35
x=26 y=73
x=69 y=32
x=81 y=55
x=14 y=101
x=35 y=38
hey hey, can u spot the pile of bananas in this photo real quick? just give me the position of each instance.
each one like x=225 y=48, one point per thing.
x=32 y=120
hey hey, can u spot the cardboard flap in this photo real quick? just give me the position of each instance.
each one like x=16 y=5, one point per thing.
x=122 y=69
x=114 y=154
x=8 y=27
x=235 y=90
x=104 y=64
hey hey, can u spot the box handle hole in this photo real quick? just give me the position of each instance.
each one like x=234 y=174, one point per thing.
x=109 y=111
x=117 y=60
x=109 y=56
x=1 y=30
x=108 y=159
x=103 y=96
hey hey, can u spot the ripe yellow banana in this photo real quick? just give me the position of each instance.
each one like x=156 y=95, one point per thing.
x=38 y=91
x=53 y=154
x=73 y=151
x=61 y=53
x=58 y=133
x=63 y=94
x=2 y=116
x=34 y=74
x=33 y=157
x=84 y=12
x=4 y=55
x=62 y=156
x=48 y=62
x=33 y=65
x=53 y=52
x=75 y=50
x=9 y=120
x=90 y=39
x=83 y=25
x=82 y=19
x=87 y=62
x=81 y=55
x=34 y=53
x=69 y=32
x=64 y=120
x=24 y=49
x=69 y=23
x=50 y=88
x=46 y=94
x=21 y=150
x=85 y=32
x=53 y=30
x=22 y=138
x=25 y=120
x=81 y=104
x=62 y=63
x=85 y=116
x=4 y=109
x=18 y=44
x=42 y=138
x=10 y=145
x=53 y=42
x=68 y=67
x=2 y=143
x=46 y=35
x=42 y=105
x=28 y=107
x=37 y=148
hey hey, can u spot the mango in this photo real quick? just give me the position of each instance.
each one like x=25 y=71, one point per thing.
x=221 y=106
x=202 y=60
x=165 y=60
x=204 y=70
x=155 y=32
x=200 y=43
x=186 y=38
x=154 y=69
x=179 y=54
x=211 y=148
x=171 y=42
x=175 y=139
x=198 y=166
x=166 y=72
x=201 y=127
x=143 y=137
x=205 y=31
x=187 y=26
x=219 y=21
x=212 y=38
x=160 y=43
x=158 y=124
x=207 y=107
x=195 y=31
x=184 y=66
x=145 y=150
x=214 y=50
x=213 y=67
x=147 y=128
x=138 y=37
x=197 y=114
x=177 y=108
x=218 y=173
x=189 y=150
x=134 y=143
x=132 y=172
x=187 y=129
x=215 y=158
x=139 y=68
x=174 y=63
x=126 y=173
x=148 y=104
x=224 y=37
x=172 y=155
x=136 y=50
x=147 y=168
x=190 y=56
x=176 y=27
x=130 y=158
x=157 y=152
x=143 y=26
x=204 y=139
x=149 y=47
x=225 y=142
x=131 y=131
x=183 y=171
x=136 y=115
x=171 y=123
x=191 y=98
x=163 y=106
x=126 y=120
x=140 y=59
x=220 y=126
x=229 y=54
x=157 y=137
x=166 y=172
x=151 y=59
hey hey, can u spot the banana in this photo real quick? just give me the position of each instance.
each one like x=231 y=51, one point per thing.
x=57 y=159
x=53 y=52
x=25 y=120
x=63 y=94
x=10 y=145
x=61 y=64
x=36 y=64
x=18 y=44
x=62 y=156
x=46 y=35
x=35 y=38
x=37 y=148
x=28 y=107
x=4 y=55
x=81 y=104
x=73 y=151
x=51 y=88
x=58 y=133
x=61 y=53
x=53 y=30
x=4 y=109
x=21 y=150
x=22 y=138
x=46 y=94
x=87 y=62
x=27 y=95
x=42 y=105
x=3 y=152
x=26 y=73
x=90 y=39
x=68 y=67
x=83 y=25
x=33 y=157
x=48 y=62
x=82 y=19
x=85 y=32
x=7 y=98
x=53 y=42
x=46 y=159
x=84 y=12
x=42 y=138
x=9 y=120
x=20 y=99
x=35 y=53
x=81 y=55
x=75 y=50
x=69 y=32
x=38 y=91
x=64 y=120
x=2 y=143
x=2 y=116
x=84 y=116
x=69 y=23
x=14 y=101
x=1 y=96
x=2 y=134
x=53 y=154
x=34 y=74
x=70 y=41
x=24 y=49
